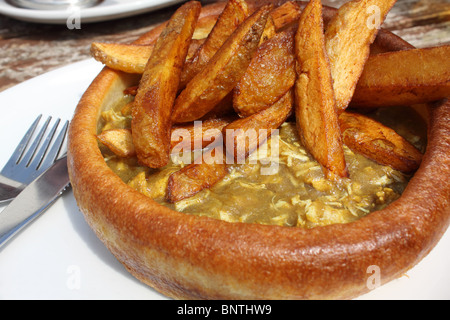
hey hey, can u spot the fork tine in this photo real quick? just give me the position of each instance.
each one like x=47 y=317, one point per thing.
x=56 y=148
x=34 y=155
x=18 y=152
x=39 y=156
x=26 y=160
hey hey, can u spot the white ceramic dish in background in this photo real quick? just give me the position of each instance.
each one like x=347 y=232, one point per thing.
x=106 y=10
x=59 y=257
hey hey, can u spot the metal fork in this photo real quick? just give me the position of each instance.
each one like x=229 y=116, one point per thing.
x=31 y=157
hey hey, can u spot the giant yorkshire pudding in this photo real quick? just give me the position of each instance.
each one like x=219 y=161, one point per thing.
x=191 y=257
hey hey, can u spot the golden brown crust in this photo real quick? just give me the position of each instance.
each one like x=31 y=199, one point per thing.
x=378 y=142
x=315 y=108
x=245 y=135
x=206 y=171
x=404 y=78
x=184 y=256
x=258 y=88
x=192 y=137
x=151 y=123
x=218 y=78
x=343 y=41
x=234 y=13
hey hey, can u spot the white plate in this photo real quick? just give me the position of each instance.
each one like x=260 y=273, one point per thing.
x=59 y=257
x=107 y=10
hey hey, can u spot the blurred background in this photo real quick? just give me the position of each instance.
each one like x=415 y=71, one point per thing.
x=30 y=49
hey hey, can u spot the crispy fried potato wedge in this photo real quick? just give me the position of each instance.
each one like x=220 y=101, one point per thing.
x=197 y=176
x=404 y=78
x=285 y=14
x=198 y=135
x=269 y=76
x=244 y=136
x=315 y=108
x=223 y=71
x=151 y=123
x=394 y=78
x=269 y=30
x=130 y=58
x=234 y=13
x=183 y=136
x=119 y=141
x=378 y=142
x=204 y=27
x=223 y=108
x=348 y=38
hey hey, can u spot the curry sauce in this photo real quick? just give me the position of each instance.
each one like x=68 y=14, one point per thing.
x=295 y=193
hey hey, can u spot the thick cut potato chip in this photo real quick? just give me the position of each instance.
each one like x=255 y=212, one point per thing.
x=130 y=58
x=223 y=71
x=184 y=137
x=223 y=108
x=395 y=78
x=378 y=142
x=315 y=109
x=234 y=13
x=196 y=177
x=348 y=38
x=204 y=26
x=151 y=123
x=269 y=30
x=249 y=133
x=119 y=141
x=269 y=76
x=285 y=14
x=198 y=135
x=404 y=78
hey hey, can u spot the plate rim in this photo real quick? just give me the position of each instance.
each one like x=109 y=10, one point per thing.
x=103 y=12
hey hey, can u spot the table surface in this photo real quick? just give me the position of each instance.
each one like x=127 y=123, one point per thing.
x=30 y=49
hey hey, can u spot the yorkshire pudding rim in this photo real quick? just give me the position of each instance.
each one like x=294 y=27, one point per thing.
x=185 y=256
